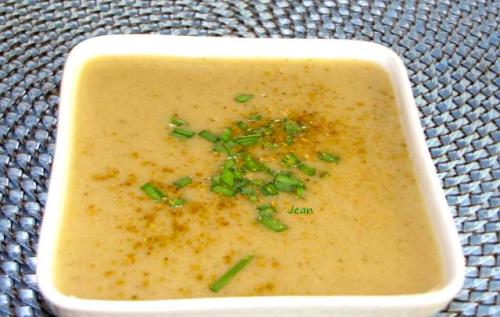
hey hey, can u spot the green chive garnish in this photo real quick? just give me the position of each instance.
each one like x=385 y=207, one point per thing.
x=237 y=174
x=233 y=177
x=176 y=202
x=243 y=126
x=224 y=190
x=308 y=170
x=284 y=187
x=221 y=187
x=266 y=218
x=292 y=127
x=247 y=140
x=240 y=182
x=299 y=191
x=223 y=148
x=287 y=179
x=153 y=192
x=269 y=189
x=328 y=157
x=253 y=165
x=273 y=224
x=227 y=177
x=224 y=279
x=229 y=163
x=249 y=191
x=182 y=133
x=286 y=182
x=226 y=135
x=177 y=122
x=184 y=181
x=209 y=136
x=290 y=160
x=266 y=211
x=254 y=117
x=243 y=98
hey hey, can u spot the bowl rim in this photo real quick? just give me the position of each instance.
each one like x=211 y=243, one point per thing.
x=185 y=46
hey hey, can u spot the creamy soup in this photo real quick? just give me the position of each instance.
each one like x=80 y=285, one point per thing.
x=194 y=177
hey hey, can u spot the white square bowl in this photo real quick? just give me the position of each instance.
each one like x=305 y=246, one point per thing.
x=414 y=305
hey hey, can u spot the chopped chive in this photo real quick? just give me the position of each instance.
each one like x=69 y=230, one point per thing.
x=266 y=218
x=230 y=143
x=176 y=202
x=226 y=135
x=253 y=165
x=299 y=192
x=292 y=127
x=182 y=133
x=247 y=140
x=229 y=152
x=177 y=122
x=243 y=126
x=286 y=182
x=229 y=163
x=224 y=279
x=273 y=224
x=227 y=177
x=243 y=98
x=306 y=169
x=239 y=181
x=249 y=191
x=153 y=192
x=290 y=160
x=269 y=189
x=328 y=157
x=284 y=187
x=266 y=210
x=237 y=174
x=289 y=139
x=209 y=136
x=219 y=147
x=223 y=148
x=265 y=130
x=254 y=117
x=287 y=179
x=184 y=181
x=224 y=190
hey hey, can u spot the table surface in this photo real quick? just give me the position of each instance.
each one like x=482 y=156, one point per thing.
x=451 y=49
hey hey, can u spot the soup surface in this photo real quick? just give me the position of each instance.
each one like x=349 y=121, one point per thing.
x=349 y=217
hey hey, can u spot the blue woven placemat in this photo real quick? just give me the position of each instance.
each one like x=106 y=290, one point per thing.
x=451 y=49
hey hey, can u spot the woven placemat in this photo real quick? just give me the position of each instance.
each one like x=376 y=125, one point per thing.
x=450 y=48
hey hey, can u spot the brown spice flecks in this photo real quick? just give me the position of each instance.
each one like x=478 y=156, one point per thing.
x=265 y=288
x=108 y=174
x=129 y=181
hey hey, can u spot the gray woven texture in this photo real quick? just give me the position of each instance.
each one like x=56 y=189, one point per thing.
x=450 y=48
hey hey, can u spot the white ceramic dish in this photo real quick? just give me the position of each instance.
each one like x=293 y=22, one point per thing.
x=415 y=305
